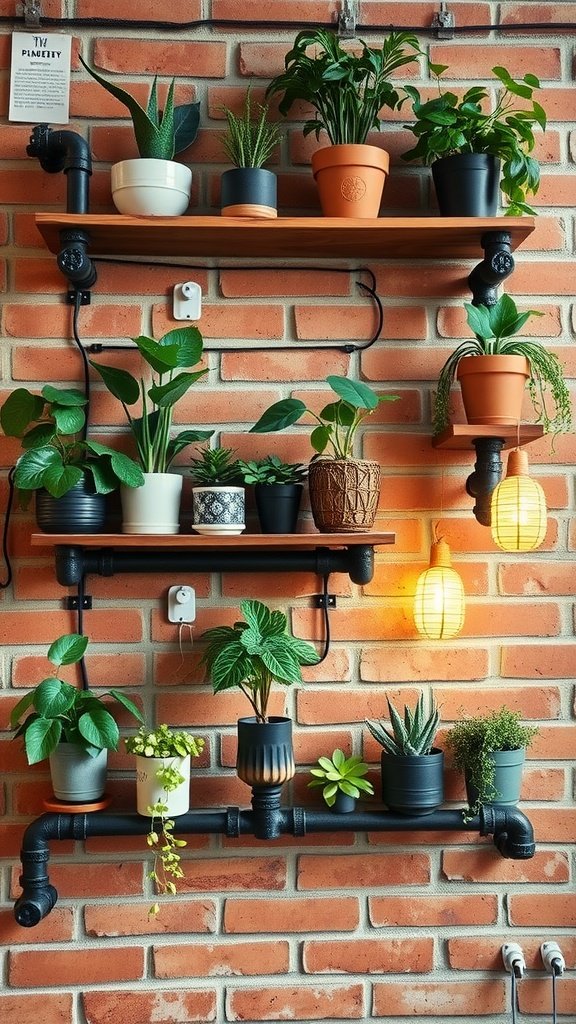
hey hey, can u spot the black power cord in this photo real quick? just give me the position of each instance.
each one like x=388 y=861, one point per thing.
x=349 y=348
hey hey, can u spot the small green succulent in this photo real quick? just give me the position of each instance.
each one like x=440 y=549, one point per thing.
x=216 y=467
x=271 y=470
x=339 y=773
x=413 y=735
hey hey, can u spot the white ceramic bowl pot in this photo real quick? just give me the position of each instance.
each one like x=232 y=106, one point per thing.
x=146 y=187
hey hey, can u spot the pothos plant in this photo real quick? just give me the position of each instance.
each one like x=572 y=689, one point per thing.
x=254 y=653
x=336 y=423
x=446 y=125
x=169 y=745
x=175 y=351
x=494 y=328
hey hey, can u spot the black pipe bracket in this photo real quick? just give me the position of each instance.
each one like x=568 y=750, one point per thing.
x=73 y=562
x=512 y=832
x=487 y=474
x=497 y=265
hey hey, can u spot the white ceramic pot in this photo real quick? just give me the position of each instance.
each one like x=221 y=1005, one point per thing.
x=154 y=507
x=149 y=790
x=218 y=510
x=151 y=188
x=75 y=775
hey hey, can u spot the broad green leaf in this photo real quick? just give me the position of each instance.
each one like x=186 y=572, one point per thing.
x=230 y=667
x=40 y=436
x=69 y=420
x=41 y=738
x=64 y=396
x=182 y=440
x=478 y=318
x=349 y=788
x=23 y=704
x=33 y=465
x=99 y=728
x=53 y=697
x=319 y=438
x=338 y=758
x=162 y=358
x=355 y=392
x=281 y=414
x=119 y=382
x=68 y=649
x=166 y=395
x=188 y=344
x=281 y=664
x=20 y=408
x=58 y=480
x=257 y=616
x=186 y=121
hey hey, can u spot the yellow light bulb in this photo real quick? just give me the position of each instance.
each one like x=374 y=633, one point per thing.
x=439 y=601
x=518 y=508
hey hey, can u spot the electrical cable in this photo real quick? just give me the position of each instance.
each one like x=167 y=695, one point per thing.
x=554 y=1018
x=80 y=593
x=326 y=617
x=171 y=26
x=513 y=996
x=85 y=364
x=97 y=347
x=5 y=554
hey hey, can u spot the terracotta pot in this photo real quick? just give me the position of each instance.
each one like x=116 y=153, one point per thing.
x=493 y=388
x=350 y=179
x=344 y=494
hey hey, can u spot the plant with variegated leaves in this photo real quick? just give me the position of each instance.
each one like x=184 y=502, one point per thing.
x=412 y=734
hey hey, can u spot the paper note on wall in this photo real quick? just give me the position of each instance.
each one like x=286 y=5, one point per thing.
x=40 y=77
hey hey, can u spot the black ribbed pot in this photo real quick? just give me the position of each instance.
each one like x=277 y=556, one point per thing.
x=278 y=506
x=413 y=784
x=248 y=192
x=467 y=185
x=80 y=510
x=265 y=755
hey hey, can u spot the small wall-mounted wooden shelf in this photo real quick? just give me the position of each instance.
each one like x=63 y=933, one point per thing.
x=461 y=436
x=284 y=237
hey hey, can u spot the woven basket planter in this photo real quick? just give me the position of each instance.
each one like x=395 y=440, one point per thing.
x=344 y=494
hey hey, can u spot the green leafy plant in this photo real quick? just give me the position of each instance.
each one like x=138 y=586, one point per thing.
x=272 y=470
x=164 y=742
x=60 y=712
x=494 y=328
x=216 y=467
x=159 y=134
x=174 y=351
x=473 y=741
x=255 y=653
x=250 y=138
x=56 y=455
x=347 y=89
x=338 y=421
x=339 y=773
x=413 y=734
x=446 y=125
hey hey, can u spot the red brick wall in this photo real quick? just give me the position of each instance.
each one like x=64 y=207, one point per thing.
x=337 y=927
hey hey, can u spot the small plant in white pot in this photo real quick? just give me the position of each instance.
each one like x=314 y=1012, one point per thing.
x=163 y=793
x=155 y=507
x=71 y=727
x=154 y=184
x=218 y=495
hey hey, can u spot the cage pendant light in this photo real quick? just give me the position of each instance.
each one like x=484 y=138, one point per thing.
x=518 y=508
x=439 y=602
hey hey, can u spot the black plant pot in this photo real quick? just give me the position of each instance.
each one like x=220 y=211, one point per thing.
x=265 y=754
x=413 y=784
x=467 y=185
x=248 y=192
x=278 y=506
x=80 y=510
x=344 y=803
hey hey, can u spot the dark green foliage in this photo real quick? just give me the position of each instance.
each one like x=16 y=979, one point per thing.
x=216 y=467
x=271 y=470
x=339 y=773
x=412 y=735
x=251 y=138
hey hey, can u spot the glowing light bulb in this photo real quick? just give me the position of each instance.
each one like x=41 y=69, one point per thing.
x=439 y=601
x=518 y=508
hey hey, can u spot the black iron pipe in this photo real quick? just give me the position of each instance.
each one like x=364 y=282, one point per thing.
x=63 y=150
x=497 y=265
x=73 y=562
x=487 y=474
x=512 y=831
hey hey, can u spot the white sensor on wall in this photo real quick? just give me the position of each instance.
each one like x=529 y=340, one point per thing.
x=181 y=604
x=187 y=301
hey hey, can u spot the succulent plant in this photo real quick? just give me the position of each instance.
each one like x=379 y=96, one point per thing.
x=216 y=467
x=413 y=735
x=339 y=773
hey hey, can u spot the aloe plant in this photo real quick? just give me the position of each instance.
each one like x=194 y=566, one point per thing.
x=215 y=467
x=159 y=134
x=412 y=735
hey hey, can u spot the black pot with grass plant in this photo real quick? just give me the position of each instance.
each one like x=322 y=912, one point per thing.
x=249 y=188
x=412 y=767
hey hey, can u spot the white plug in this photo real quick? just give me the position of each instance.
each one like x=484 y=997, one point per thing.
x=187 y=301
x=513 y=958
x=552 y=958
x=181 y=604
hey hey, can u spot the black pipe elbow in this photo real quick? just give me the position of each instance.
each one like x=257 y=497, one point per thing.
x=64 y=151
x=32 y=906
x=512 y=831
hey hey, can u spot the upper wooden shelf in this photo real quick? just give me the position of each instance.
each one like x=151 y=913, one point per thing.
x=461 y=436
x=298 y=541
x=284 y=237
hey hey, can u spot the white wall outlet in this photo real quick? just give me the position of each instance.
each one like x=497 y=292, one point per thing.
x=181 y=604
x=187 y=301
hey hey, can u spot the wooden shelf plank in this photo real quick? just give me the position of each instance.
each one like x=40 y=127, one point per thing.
x=285 y=237
x=460 y=436
x=179 y=540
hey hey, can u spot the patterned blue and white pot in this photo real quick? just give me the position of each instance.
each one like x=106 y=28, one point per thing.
x=218 y=510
